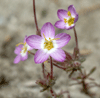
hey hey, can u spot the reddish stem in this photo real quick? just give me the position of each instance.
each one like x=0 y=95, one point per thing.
x=59 y=66
x=32 y=53
x=85 y=88
x=68 y=56
x=36 y=24
x=76 y=39
x=51 y=67
x=52 y=92
x=43 y=70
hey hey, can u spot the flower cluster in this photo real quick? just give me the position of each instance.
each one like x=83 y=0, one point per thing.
x=48 y=44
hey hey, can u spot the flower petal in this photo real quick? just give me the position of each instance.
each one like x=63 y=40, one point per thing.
x=23 y=58
x=71 y=8
x=60 y=24
x=29 y=47
x=48 y=30
x=58 y=55
x=34 y=41
x=40 y=56
x=64 y=39
x=69 y=27
x=17 y=59
x=18 y=49
x=76 y=18
x=62 y=14
x=25 y=38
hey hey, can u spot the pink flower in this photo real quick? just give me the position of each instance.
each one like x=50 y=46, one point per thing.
x=67 y=18
x=21 y=51
x=48 y=44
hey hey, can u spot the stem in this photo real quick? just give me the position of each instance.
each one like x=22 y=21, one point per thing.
x=85 y=90
x=65 y=92
x=51 y=67
x=71 y=73
x=76 y=40
x=59 y=66
x=36 y=24
x=85 y=87
x=43 y=70
x=68 y=56
x=81 y=72
x=52 y=92
x=31 y=53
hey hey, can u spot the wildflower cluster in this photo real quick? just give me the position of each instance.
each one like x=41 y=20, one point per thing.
x=48 y=48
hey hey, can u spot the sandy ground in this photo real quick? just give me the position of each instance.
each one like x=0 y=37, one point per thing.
x=16 y=21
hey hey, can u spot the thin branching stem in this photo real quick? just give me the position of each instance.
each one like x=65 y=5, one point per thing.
x=52 y=93
x=43 y=70
x=31 y=53
x=34 y=11
x=59 y=66
x=76 y=39
x=51 y=67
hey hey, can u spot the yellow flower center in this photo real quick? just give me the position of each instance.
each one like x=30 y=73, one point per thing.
x=70 y=21
x=24 y=47
x=48 y=43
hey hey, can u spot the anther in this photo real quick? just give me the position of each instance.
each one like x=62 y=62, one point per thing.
x=65 y=20
x=25 y=49
x=69 y=13
x=20 y=44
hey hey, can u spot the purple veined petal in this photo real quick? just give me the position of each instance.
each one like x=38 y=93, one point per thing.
x=34 y=41
x=60 y=24
x=23 y=58
x=48 y=30
x=71 y=8
x=18 y=49
x=17 y=59
x=64 y=39
x=58 y=55
x=62 y=14
x=25 y=38
x=40 y=56
x=76 y=18
x=69 y=27
x=29 y=47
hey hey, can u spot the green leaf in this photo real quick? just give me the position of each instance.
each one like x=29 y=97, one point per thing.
x=91 y=71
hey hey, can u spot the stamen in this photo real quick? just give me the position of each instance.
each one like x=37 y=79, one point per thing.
x=50 y=39
x=25 y=49
x=45 y=61
x=43 y=35
x=65 y=20
x=71 y=21
x=69 y=13
x=55 y=38
x=29 y=52
x=20 y=44
x=48 y=43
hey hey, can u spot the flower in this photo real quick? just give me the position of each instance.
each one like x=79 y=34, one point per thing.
x=21 y=51
x=67 y=18
x=48 y=44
